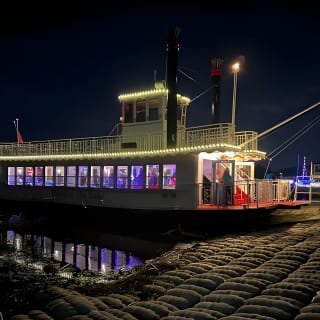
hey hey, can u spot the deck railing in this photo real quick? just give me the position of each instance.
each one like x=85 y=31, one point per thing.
x=247 y=192
x=196 y=136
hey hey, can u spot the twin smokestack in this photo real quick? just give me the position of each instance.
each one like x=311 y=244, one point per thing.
x=172 y=68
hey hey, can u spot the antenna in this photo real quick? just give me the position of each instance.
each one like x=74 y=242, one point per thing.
x=155 y=76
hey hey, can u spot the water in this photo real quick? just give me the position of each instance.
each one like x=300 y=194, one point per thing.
x=84 y=256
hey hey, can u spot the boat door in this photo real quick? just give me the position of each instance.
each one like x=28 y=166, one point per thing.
x=218 y=168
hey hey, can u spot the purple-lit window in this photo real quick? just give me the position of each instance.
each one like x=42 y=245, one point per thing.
x=152 y=178
x=71 y=176
x=83 y=176
x=122 y=177
x=11 y=176
x=108 y=177
x=48 y=177
x=95 y=177
x=136 y=177
x=169 y=176
x=60 y=176
x=20 y=176
x=29 y=176
x=38 y=176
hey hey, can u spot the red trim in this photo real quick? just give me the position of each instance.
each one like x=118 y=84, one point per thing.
x=215 y=72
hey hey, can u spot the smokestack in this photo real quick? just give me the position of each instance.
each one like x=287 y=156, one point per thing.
x=172 y=67
x=215 y=79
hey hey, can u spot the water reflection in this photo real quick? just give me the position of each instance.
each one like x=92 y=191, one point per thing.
x=83 y=256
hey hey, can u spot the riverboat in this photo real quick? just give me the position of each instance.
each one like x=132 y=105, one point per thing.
x=150 y=161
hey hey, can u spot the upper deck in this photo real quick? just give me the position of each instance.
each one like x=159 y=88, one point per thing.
x=196 y=139
x=142 y=130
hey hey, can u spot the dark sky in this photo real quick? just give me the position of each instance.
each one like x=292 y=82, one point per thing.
x=62 y=66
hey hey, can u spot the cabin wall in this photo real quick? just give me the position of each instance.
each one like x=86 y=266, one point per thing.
x=183 y=196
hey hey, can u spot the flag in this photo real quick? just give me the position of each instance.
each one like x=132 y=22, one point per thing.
x=19 y=137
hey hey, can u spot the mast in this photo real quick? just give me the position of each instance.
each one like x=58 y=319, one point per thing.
x=215 y=79
x=172 y=67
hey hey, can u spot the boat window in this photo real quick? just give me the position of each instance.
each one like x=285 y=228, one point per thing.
x=29 y=176
x=154 y=106
x=48 y=176
x=141 y=108
x=11 y=176
x=152 y=178
x=122 y=177
x=71 y=176
x=95 y=177
x=83 y=176
x=60 y=176
x=136 y=177
x=20 y=176
x=128 y=112
x=108 y=177
x=169 y=176
x=38 y=176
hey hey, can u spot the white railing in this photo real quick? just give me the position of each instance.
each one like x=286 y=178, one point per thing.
x=248 y=192
x=195 y=136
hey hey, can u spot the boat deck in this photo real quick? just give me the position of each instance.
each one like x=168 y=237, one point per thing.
x=255 y=206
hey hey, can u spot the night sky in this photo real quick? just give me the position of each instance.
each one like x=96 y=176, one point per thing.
x=62 y=67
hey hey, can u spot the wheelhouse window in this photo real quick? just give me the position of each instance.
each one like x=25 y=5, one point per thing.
x=128 y=112
x=83 y=176
x=95 y=177
x=169 y=176
x=38 y=176
x=108 y=177
x=152 y=178
x=71 y=176
x=141 y=108
x=20 y=176
x=122 y=177
x=11 y=176
x=48 y=177
x=60 y=176
x=154 y=107
x=136 y=177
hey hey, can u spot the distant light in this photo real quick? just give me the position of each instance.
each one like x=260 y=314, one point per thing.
x=236 y=67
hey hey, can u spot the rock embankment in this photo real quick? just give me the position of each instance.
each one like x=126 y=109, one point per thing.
x=268 y=275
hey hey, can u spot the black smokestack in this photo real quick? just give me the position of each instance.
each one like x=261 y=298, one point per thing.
x=215 y=79
x=172 y=67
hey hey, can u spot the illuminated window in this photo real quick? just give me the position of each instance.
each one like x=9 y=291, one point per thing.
x=48 y=177
x=38 y=176
x=60 y=176
x=11 y=176
x=136 y=177
x=29 y=176
x=169 y=176
x=152 y=178
x=122 y=177
x=71 y=176
x=108 y=177
x=83 y=176
x=141 y=111
x=20 y=176
x=95 y=177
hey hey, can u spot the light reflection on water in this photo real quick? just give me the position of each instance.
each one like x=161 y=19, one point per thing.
x=83 y=256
